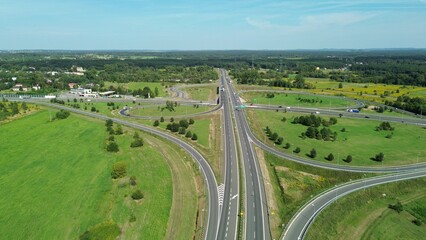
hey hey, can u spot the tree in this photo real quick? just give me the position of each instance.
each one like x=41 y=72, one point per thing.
x=108 y=123
x=284 y=119
x=93 y=109
x=274 y=136
x=15 y=109
x=62 y=114
x=340 y=85
x=297 y=150
x=156 y=123
x=191 y=121
x=118 y=130
x=161 y=119
x=188 y=134
x=137 y=141
x=118 y=170
x=112 y=147
x=194 y=137
x=348 y=159
x=379 y=157
x=24 y=106
x=330 y=157
x=137 y=195
x=279 y=140
x=184 y=123
x=313 y=153
x=182 y=130
x=287 y=146
x=172 y=119
x=156 y=92
x=397 y=207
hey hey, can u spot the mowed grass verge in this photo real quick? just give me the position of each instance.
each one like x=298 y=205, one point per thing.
x=365 y=214
x=203 y=93
x=62 y=166
x=359 y=139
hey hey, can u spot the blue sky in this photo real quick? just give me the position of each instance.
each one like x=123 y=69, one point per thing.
x=211 y=25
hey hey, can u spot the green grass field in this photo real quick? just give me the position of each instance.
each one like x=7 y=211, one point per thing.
x=50 y=165
x=203 y=93
x=291 y=99
x=162 y=91
x=359 y=140
x=365 y=214
x=155 y=110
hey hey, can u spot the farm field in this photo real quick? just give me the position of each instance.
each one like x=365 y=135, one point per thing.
x=365 y=214
x=359 y=139
x=297 y=99
x=162 y=91
x=40 y=170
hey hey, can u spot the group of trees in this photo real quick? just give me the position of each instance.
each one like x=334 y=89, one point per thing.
x=415 y=105
x=180 y=127
x=314 y=122
x=112 y=146
x=324 y=134
x=274 y=136
x=8 y=109
x=385 y=126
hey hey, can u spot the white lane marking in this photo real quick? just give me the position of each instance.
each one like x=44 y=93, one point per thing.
x=220 y=192
x=234 y=196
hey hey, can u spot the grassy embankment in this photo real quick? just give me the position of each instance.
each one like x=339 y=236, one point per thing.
x=365 y=214
x=156 y=110
x=50 y=165
x=289 y=185
x=359 y=139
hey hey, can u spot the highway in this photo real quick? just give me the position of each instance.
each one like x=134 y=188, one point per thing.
x=256 y=221
x=299 y=224
x=229 y=201
x=211 y=228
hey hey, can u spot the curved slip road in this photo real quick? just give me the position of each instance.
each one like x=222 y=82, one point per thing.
x=300 y=223
x=213 y=205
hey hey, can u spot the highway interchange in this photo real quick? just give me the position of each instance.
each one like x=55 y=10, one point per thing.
x=228 y=204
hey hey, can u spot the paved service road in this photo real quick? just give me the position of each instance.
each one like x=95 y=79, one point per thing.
x=229 y=202
x=212 y=220
x=255 y=210
x=299 y=224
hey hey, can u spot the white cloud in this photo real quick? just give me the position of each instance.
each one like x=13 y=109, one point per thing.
x=314 y=21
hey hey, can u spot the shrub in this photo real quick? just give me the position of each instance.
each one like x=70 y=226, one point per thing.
x=118 y=170
x=313 y=153
x=348 y=159
x=108 y=231
x=119 y=130
x=62 y=114
x=133 y=181
x=112 y=147
x=287 y=146
x=330 y=157
x=191 y=121
x=397 y=207
x=156 y=123
x=138 y=142
x=184 y=123
x=297 y=150
x=379 y=157
x=194 y=137
x=417 y=222
x=161 y=119
x=137 y=195
x=111 y=138
x=188 y=134
x=182 y=130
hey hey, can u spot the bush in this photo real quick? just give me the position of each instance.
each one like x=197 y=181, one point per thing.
x=417 y=222
x=137 y=143
x=348 y=159
x=379 y=157
x=112 y=147
x=133 y=181
x=161 y=119
x=297 y=150
x=118 y=170
x=397 y=207
x=184 y=123
x=188 y=134
x=279 y=140
x=111 y=138
x=137 y=195
x=287 y=146
x=182 y=130
x=194 y=137
x=156 y=123
x=313 y=153
x=62 y=114
x=330 y=157
x=119 y=130
x=191 y=121
x=104 y=231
